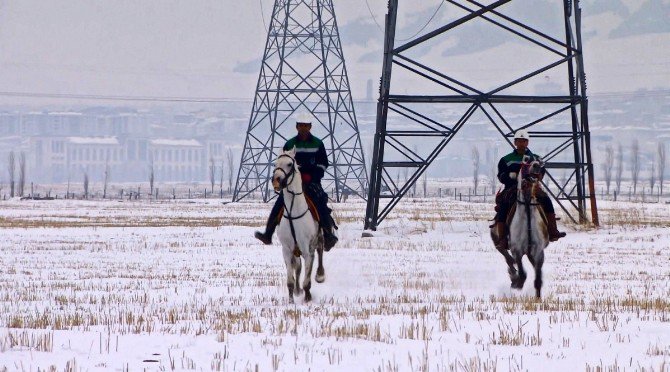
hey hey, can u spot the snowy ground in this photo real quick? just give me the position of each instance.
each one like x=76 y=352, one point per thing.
x=183 y=285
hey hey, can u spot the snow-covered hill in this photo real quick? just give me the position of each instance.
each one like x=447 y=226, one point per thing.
x=212 y=48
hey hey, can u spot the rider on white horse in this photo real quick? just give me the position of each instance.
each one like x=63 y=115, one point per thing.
x=312 y=159
x=508 y=169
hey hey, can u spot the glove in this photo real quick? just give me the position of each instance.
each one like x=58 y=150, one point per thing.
x=512 y=175
x=306 y=177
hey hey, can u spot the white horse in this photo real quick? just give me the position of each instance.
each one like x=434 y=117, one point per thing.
x=298 y=232
x=528 y=234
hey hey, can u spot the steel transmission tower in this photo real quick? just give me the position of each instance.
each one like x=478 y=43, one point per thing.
x=303 y=70
x=451 y=100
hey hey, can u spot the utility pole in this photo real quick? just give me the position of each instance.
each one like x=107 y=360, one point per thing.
x=303 y=70
x=562 y=124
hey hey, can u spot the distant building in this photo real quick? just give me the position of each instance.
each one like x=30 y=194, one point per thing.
x=177 y=159
x=63 y=145
x=89 y=154
x=9 y=124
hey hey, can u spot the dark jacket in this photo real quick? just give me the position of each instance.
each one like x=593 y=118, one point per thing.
x=512 y=163
x=310 y=155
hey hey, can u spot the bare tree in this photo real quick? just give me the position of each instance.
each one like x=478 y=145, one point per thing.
x=397 y=179
x=652 y=176
x=619 y=167
x=635 y=164
x=152 y=178
x=661 y=164
x=425 y=185
x=106 y=180
x=11 y=169
x=475 y=168
x=221 y=178
x=609 y=164
x=212 y=173
x=231 y=168
x=85 y=184
x=22 y=173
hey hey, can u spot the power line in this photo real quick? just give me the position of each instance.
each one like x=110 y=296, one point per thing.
x=373 y=17
x=263 y=15
x=415 y=34
x=122 y=98
x=646 y=93
x=426 y=25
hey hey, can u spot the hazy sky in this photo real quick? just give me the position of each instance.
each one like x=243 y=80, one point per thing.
x=190 y=48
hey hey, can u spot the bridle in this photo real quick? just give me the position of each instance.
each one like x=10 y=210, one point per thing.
x=291 y=173
x=528 y=187
x=284 y=186
x=529 y=180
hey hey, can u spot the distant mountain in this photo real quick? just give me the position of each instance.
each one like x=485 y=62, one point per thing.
x=248 y=67
x=210 y=49
x=596 y=7
x=652 y=17
x=361 y=31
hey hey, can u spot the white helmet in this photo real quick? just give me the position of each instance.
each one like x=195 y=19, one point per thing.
x=303 y=117
x=521 y=134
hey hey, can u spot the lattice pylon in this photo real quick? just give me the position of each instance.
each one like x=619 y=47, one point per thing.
x=441 y=103
x=303 y=69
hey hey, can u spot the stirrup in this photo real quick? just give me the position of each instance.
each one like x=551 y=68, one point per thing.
x=329 y=240
x=557 y=236
x=267 y=240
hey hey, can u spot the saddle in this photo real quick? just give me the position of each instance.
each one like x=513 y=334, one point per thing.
x=512 y=208
x=312 y=210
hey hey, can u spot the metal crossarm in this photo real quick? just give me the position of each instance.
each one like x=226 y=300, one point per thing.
x=562 y=127
x=303 y=69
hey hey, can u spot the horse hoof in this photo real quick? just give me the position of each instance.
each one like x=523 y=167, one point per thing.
x=298 y=292
x=308 y=296
x=517 y=284
x=320 y=278
x=291 y=301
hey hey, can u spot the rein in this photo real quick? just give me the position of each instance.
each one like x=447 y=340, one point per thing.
x=291 y=173
x=284 y=186
x=527 y=197
x=524 y=201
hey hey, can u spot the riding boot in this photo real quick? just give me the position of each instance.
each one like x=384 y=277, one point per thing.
x=554 y=234
x=327 y=224
x=271 y=225
x=501 y=230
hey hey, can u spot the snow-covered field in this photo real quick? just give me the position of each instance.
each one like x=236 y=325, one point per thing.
x=183 y=285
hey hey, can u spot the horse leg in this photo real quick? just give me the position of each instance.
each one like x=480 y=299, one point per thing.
x=501 y=243
x=290 y=279
x=320 y=272
x=298 y=269
x=538 y=262
x=511 y=270
x=518 y=283
x=307 y=281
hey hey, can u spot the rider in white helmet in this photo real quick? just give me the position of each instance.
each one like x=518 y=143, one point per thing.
x=310 y=154
x=508 y=169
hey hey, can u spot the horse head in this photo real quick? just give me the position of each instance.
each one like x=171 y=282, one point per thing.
x=530 y=175
x=285 y=170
